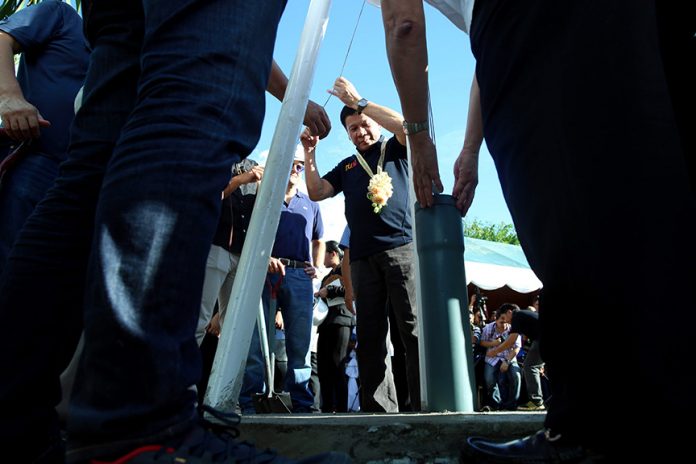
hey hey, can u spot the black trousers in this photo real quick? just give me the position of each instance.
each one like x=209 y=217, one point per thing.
x=578 y=119
x=332 y=350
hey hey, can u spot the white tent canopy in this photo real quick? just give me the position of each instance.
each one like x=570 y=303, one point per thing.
x=492 y=265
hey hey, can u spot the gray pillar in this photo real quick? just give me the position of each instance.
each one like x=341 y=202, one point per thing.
x=444 y=314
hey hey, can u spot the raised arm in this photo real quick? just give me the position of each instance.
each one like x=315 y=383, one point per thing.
x=385 y=117
x=317 y=188
x=404 y=28
x=315 y=118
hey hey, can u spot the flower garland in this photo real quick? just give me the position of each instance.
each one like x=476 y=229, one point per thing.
x=380 y=188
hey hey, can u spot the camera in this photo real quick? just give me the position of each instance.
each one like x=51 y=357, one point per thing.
x=480 y=301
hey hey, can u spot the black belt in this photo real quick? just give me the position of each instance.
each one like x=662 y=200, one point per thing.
x=294 y=263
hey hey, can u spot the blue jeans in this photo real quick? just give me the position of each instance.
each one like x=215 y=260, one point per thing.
x=295 y=297
x=173 y=96
x=502 y=388
x=22 y=189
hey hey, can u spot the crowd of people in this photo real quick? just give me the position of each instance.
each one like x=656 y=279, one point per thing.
x=117 y=235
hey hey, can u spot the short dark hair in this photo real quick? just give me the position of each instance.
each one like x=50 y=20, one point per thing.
x=345 y=112
x=505 y=307
x=333 y=246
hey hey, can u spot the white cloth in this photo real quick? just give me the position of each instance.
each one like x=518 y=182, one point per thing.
x=353 y=390
x=319 y=313
x=457 y=11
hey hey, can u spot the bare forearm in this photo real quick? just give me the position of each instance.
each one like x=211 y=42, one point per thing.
x=8 y=81
x=277 y=82
x=318 y=249
x=473 y=137
x=387 y=118
x=404 y=28
x=318 y=188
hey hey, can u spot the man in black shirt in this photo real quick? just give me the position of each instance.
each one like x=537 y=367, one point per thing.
x=374 y=182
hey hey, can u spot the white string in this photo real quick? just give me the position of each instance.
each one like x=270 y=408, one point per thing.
x=345 y=60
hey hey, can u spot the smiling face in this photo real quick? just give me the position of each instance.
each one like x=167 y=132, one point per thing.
x=362 y=131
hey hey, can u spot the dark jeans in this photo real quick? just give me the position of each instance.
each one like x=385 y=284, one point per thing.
x=385 y=277
x=22 y=189
x=173 y=96
x=586 y=145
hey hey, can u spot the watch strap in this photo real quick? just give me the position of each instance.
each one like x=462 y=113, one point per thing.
x=411 y=128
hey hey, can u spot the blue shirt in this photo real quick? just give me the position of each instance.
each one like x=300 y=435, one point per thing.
x=345 y=239
x=52 y=67
x=371 y=233
x=300 y=223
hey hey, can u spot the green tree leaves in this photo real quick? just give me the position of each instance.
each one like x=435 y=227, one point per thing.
x=504 y=233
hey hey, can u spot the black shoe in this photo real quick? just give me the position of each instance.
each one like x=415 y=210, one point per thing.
x=199 y=443
x=53 y=453
x=540 y=448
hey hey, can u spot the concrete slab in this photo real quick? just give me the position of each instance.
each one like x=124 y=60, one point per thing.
x=404 y=438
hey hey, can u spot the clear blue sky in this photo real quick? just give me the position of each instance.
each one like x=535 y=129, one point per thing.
x=451 y=70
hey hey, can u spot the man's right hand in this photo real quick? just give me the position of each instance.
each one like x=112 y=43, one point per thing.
x=255 y=174
x=276 y=267
x=20 y=119
x=309 y=141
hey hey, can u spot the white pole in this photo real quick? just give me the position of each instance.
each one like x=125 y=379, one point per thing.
x=228 y=366
x=422 y=357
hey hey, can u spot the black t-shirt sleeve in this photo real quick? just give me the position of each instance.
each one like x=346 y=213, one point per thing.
x=525 y=322
x=395 y=148
x=335 y=176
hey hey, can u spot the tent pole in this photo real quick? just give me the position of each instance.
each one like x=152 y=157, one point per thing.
x=230 y=359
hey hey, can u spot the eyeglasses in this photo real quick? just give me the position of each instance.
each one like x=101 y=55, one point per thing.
x=298 y=168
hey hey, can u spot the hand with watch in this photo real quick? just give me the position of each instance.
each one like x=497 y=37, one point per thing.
x=348 y=94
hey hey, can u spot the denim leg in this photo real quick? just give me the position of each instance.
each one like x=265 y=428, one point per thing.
x=513 y=382
x=254 y=375
x=22 y=189
x=200 y=104
x=129 y=329
x=295 y=298
x=46 y=269
x=491 y=375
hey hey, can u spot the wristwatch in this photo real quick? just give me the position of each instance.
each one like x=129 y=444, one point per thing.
x=411 y=128
x=362 y=104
